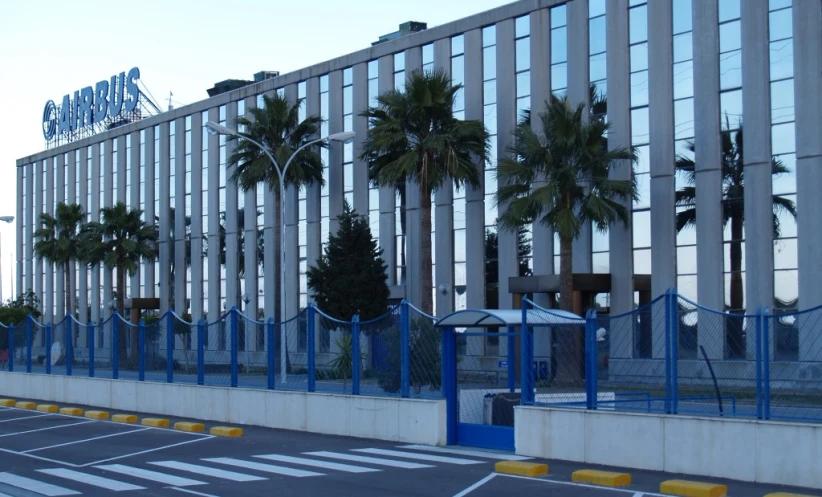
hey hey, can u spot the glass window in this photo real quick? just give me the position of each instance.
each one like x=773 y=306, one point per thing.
x=730 y=37
x=785 y=183
x=489 y=63
x=489 y=92
x=399 y=61
x=639 y=126
x=524 y=84
x=781 y=24
x=373 y=69
x=782 y=102
x=522 y=26
x=639 y=57
x=596 y=8
x=643 y=182
x=682 y=15
x=596 y=35
x=558 y=16
x=683 y=80
x=781 y=53
x=728 y=10
x=638 y=24
x=731 y=106
x=559 y=45
x=683 y=47
x=783 y=139
x=683 y=118
x=523 y=54
x=642 y=229
x=348 y=99
x=458 y=45
x=559 y=76
x=489 y=36
x=730 y=70
x=597 y=67
x=686 y=260
x=639 y=89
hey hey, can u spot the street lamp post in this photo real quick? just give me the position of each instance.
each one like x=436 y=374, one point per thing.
x=5 y=219
x=218 y=129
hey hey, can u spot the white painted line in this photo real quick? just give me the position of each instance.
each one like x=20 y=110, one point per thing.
x=85 y=440
x=584 y=485
x=318 y=464
x=476 y=485
x=639 y=494
x=369 y=460
x=191 y=492
x=420 y=457
x=25 y=417
x=96 y=481
x=267 y=468
x=205 y=470
x=148 y=451
x=35 y=486
x=45 y=429
x=145 y=474
x=466 y=452
x=39 y=458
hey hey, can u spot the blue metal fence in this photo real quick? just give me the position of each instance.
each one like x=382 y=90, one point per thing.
x=674 y=356
x=399 y=352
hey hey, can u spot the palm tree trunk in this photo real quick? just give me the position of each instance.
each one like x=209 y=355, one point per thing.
x=278 y=234
x=67 y=271
x=426 y=266
x=566 y=275
x=568 y=347
x=734 y=336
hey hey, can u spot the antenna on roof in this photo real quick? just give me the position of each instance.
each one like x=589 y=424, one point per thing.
x=170 y=105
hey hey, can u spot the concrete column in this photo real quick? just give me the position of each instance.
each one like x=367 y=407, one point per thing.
x=59 y=270
x=121 y=166
x=360 y=103
x=413 y=214
x=250 y=244
x=71 y=198
x=39 y=206
x=708 y=159
x=232 y=268
x=107 y=185
x=196 y=219
x=292 y=237
x=578 y=85
x=807 y=35
x=33 y=219
x=756 y=105
x=94 y=215
x=312 y=194
x=179 y=241
x=444 y=217
x=661 y=115
x=135 y=202
x=474 y=197
x=20 y=228
x=506 y=122
x=165 y=222
x=335 y=151
x=271 y=244
x=215 y=310
x=149 y=203
x=82 y=279
x=388 y=235
x=620 y=238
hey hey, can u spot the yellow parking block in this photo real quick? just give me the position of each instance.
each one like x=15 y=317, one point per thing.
x=124 y=418
x=602 y=478
x=520 y=468
x=97 y=414
x=156 y=422
x=226 y=431
x=785 y=494
x=686 y=488
x=47 y=408
x=186 y=426
x=25 y=405
x=7 y=402
x=71 y=411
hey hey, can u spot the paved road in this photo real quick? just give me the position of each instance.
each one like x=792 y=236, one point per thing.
x=55 y=455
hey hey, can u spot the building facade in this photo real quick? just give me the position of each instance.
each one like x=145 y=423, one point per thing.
x=673 y=72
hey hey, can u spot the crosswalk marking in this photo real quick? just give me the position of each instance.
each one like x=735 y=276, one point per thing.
x=319 y=464
x=467 y=452
x=96 y=481
x=420 y=457
x=150 y=475
x=205 y=470
x=268 y=468
x=35 y=486
x=369 y=460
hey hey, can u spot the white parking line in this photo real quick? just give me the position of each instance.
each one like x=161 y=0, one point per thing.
x=633 y=493
x=420 y=457
x=189 y=492
x=466 y=452
x=476 y=485
x=204 y=437
x=45 y=429
x=25 y=417
x=85 y=440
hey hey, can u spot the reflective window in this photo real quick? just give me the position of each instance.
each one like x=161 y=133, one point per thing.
x=522 y=26
x=728 y=10
x=457 y=45
x=559 y=45
x=558 y=16
x=638 y=24
x=682 y=16
x=730 y=37
x=596 y=35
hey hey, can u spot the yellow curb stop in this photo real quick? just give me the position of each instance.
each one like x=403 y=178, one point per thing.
x=47 y=408
x=71 y=411
x=520 y=468
x=686 y=488
x=7 y=402
x=124 y=418
x=25 y=405
x=602 y=478
x=97 y=415
x=156 y=422
x=186 y=426
x=226 y=431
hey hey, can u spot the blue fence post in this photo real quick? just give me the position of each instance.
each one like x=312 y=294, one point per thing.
x=668 y=356
x=115 y=345
x=355 y=355
x=405 y=345
x=170 y=346
x=312 y=365
x=90 y=350
x=141 y=350
x=69 y=345
x=591 y=359
x=201 y=352
x=234 y=364
x=269 y=329
x=766 y=362
x=48 y=348
x=449 y=382
x=674 y=317
x=29 y=320
x=512 y=366
x=11 y=347
x=758 y=352
x=526 y=358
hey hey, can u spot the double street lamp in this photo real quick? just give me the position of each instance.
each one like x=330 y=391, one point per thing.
x=218 y=129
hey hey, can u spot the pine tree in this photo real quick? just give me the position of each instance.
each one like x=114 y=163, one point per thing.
x=350 y=278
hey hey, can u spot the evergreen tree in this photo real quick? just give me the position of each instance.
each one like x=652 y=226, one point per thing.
x=350 y=278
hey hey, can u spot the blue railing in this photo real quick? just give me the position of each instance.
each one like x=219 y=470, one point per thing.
x=311 y=351
x=675 y=356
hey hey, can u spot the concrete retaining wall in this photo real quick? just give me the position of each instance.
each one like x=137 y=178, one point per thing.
x=398 y=420
x=746 y=450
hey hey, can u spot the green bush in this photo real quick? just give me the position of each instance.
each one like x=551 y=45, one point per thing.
x=424 y=357
x=15 y=312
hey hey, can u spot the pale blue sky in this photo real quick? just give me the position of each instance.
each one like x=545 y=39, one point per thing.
x=49 y=48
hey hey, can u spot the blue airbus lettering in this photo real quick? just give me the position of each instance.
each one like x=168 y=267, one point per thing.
x=90 y=105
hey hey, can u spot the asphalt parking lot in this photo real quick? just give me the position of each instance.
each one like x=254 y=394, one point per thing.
x=53 y=454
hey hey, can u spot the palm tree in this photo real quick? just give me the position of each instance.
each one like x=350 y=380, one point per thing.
x=121 y=240
x=733 y=213
x=58 y=241
x=277 y=126
x=571 y=157
x=415 y=137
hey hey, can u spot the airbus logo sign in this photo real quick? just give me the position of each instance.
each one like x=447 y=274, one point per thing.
x=92 y=104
